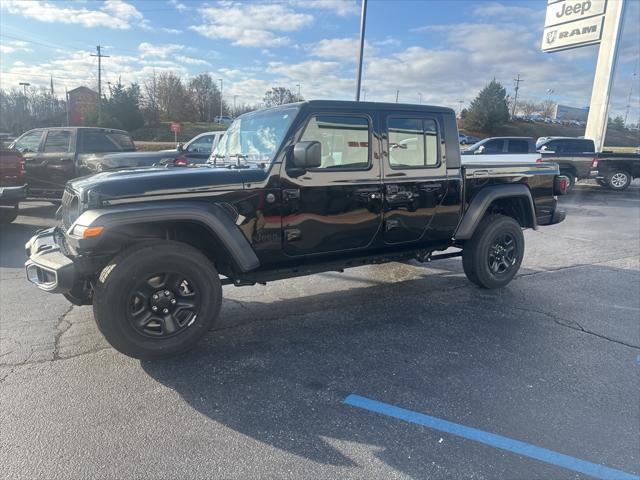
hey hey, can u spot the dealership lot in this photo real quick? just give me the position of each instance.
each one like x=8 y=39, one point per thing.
x=552 y=360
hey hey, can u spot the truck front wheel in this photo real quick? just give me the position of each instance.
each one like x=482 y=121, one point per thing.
x=493 y=255
x=157 y=300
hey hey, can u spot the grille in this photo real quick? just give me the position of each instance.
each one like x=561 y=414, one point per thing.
x=70 y=208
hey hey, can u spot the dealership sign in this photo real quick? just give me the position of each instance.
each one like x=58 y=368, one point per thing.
x=573 y=23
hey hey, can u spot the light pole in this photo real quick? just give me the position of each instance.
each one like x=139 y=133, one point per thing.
x=24 y=95
x=298 y=85
x=397 y=93
x=420 y=98
x=363 y=20
x=220 y=99
x=364 y=94
x=24 y=87
x=547 y=113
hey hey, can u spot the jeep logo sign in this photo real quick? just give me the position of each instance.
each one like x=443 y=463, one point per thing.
x=573 y=23
x=571 y=10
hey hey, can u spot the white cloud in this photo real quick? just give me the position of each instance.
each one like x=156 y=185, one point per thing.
x=510 y=11
x=181 y=7
x=172 y=31
x=12 y=46
x=340 y=48
x=250 y=24
x=342 y=8
x=115 y=14
x=161 y=51
x=190 y=60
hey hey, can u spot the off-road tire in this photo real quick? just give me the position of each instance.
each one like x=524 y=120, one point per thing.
x=8 y=215
x=477 y=258
x=618 y=180
x=120 y=279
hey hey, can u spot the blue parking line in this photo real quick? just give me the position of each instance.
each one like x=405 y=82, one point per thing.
x=498 y=441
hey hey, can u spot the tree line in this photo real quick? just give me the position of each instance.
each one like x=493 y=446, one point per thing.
x=162 y=97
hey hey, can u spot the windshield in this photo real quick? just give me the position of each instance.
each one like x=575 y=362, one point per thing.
x=254 y=137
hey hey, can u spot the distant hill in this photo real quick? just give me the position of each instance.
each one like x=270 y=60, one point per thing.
x=614 y=138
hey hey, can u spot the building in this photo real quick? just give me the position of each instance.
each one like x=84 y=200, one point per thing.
x=81 y=101
x=564 y=112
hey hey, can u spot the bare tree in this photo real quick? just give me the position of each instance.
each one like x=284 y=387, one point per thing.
x=205 y=96
x=528 y=107
x=279 y=96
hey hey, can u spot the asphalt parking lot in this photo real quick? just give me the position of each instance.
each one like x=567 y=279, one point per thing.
x=404 y=370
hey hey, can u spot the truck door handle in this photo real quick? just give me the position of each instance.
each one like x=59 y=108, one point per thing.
x=290 y=194
x=481 y=173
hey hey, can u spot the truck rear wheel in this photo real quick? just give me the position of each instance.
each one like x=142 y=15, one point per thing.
x=618 y=180
x=157 y=300
x=493 y=255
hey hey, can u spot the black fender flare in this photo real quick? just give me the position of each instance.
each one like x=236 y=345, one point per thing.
x=211 y=216
x=484 y=198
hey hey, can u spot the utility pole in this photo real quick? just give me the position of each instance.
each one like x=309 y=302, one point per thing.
x=363 y=20
x=298 y=85
x=626 y=113
x=364 y=94
x=397 y=93
x=220 y=99
x=100 y=57
x=515 y=98
x=420 y=98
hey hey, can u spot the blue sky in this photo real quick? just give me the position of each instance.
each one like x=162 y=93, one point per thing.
x=442 y=50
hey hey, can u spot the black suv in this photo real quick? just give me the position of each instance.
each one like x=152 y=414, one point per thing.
x=289 y=191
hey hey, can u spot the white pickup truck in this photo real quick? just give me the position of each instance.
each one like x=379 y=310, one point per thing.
x=502 y=150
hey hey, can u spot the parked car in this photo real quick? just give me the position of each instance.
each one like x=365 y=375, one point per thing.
x=577 y=157
x=302 y=188
x=502 y=149
x=54 y=156
x=196 y=150
x=12 y=184
x=223 y=120
x=463 y=139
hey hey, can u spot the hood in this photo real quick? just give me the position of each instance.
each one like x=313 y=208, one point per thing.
x=156 y=182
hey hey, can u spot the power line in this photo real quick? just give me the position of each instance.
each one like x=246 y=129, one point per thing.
x=100 y=57
x=515 y=98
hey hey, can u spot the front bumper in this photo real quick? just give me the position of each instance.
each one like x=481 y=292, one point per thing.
x=12 y=195
x=47 y=266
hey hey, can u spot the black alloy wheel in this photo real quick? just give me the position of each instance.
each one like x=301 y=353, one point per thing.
x=502 y=254
x=163 y=305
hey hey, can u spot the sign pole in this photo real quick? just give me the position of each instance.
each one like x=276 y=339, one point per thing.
x=605 y=70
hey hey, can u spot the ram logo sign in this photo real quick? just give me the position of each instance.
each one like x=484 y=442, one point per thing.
x=572 y=23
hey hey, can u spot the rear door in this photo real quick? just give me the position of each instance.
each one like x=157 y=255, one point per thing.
x=53 y=166
x=200 y=147
x=29 y=145
x=415 y=177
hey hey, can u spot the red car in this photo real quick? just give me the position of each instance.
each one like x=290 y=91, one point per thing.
x=12 y=184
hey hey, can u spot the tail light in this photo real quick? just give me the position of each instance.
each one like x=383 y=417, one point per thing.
x=539 y=160
x=181 y=162
x=560 y=185
x=594 y=162
x=22 y=169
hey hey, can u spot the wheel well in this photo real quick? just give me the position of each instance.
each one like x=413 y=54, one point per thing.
x=564 y=168
x=517 y=208
x=190 y=232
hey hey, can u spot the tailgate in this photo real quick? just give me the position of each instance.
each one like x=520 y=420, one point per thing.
x=11 y=169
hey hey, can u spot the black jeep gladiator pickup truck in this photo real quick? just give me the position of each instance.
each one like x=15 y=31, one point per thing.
x=292 y=190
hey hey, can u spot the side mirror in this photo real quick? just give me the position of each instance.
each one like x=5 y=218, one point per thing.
x=307 y=155
x=180 y=147
x=479 y=150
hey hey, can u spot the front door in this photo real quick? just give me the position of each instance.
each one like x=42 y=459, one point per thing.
x=50 y=170
x=337 y=206
x=414 y=176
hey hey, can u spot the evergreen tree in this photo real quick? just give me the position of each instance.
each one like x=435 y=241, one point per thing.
x=488 y=111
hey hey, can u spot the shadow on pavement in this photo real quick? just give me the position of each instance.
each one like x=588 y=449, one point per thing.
x=487 y=359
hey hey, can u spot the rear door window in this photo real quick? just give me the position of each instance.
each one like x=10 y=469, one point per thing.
x=102 y=142
x=518 y=146
x=413 y=143
x=58 y=141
